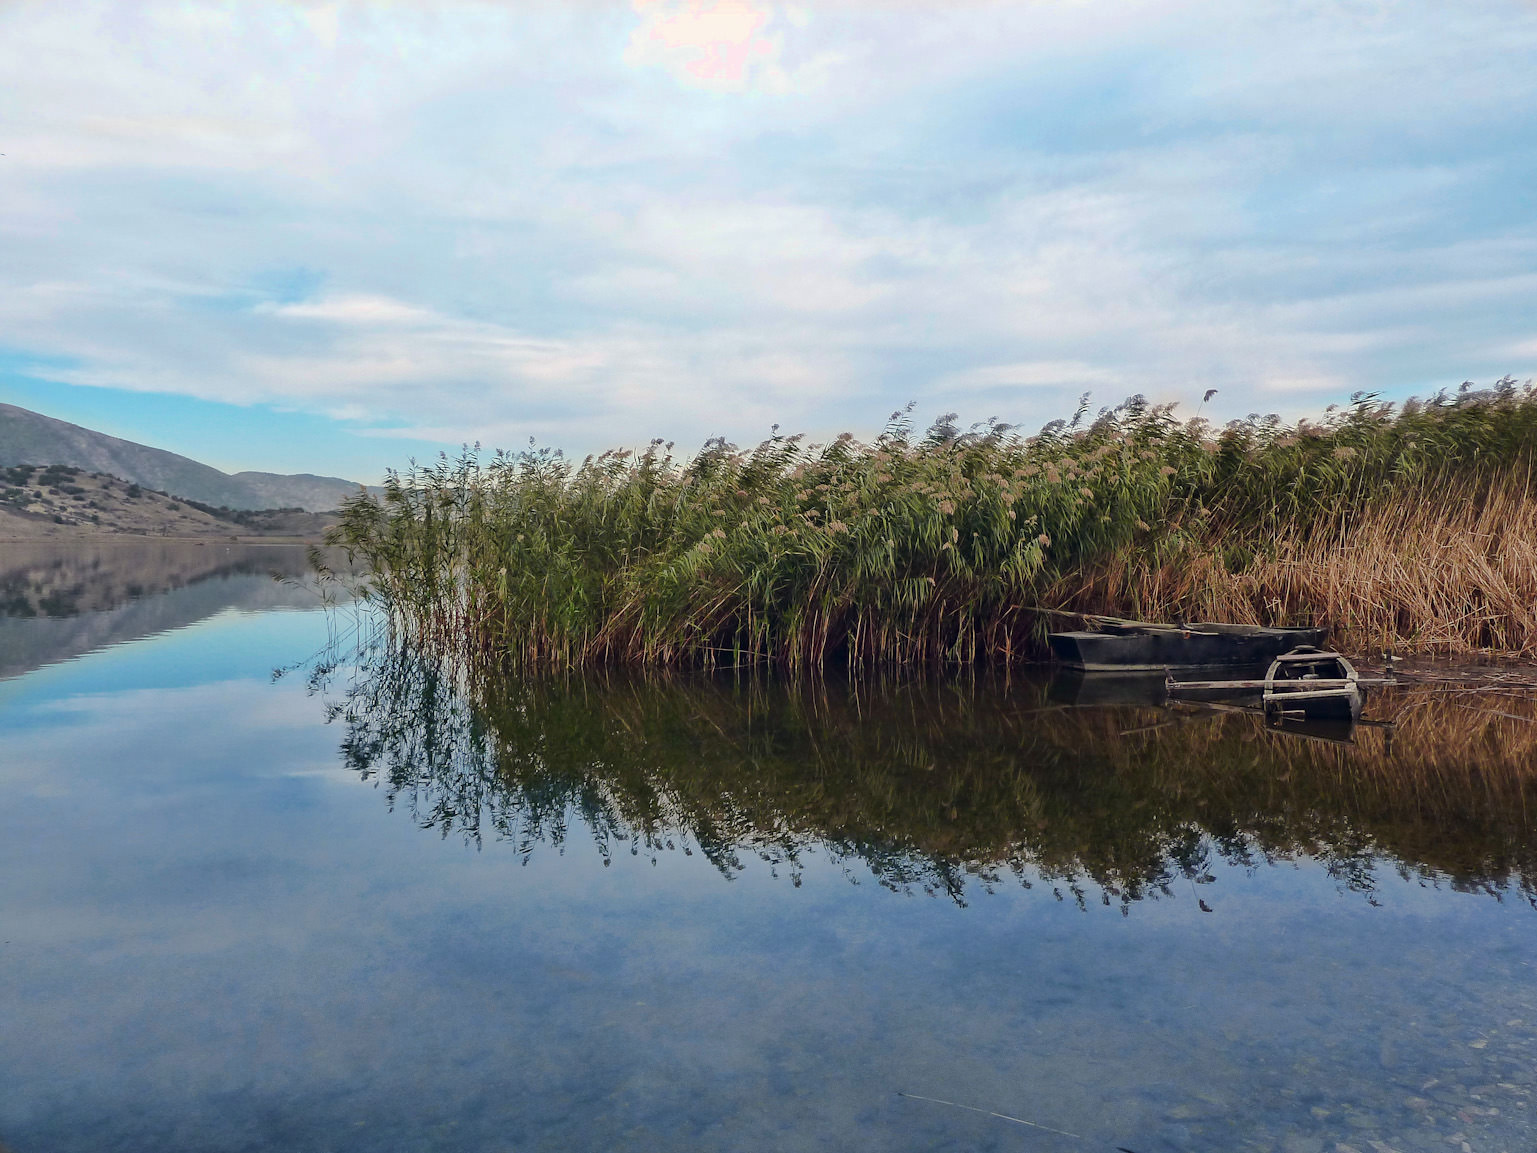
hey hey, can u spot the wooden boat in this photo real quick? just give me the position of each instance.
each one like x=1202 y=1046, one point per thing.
x=1315 y=684
x=1117 y=645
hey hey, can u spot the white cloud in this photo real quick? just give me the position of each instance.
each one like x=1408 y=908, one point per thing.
x=508 y=226
x=373 y=311
x=1030 y=374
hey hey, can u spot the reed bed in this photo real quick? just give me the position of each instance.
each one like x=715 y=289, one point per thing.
x=1410 y=527
x=1447 y=569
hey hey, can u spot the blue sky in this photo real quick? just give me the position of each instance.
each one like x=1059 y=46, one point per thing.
x=327 y=237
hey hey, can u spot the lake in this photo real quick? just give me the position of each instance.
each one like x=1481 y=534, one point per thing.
x=272 y=881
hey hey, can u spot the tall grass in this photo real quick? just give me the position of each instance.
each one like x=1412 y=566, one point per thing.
x=1410 y=526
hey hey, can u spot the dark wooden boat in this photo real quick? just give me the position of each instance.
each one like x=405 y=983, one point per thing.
x=1116 y=645
x=1309 y=682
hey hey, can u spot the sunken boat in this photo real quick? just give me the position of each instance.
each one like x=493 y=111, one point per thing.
x=1117 y=645
x=1308 y=683
x=1313 y=684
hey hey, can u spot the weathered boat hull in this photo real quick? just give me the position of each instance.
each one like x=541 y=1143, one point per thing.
x=1323 y=705
x=1317 y=685
x=1213 y=646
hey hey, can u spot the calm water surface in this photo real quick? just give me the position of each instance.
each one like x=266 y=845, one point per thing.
x=343 y=909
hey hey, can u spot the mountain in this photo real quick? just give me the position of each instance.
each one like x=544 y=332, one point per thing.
x=61 y=502
x=291 y=490
x=31 y=438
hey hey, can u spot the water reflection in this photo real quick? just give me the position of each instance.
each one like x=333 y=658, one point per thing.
x=955 y=788
x=58 y=601
x=212 y=936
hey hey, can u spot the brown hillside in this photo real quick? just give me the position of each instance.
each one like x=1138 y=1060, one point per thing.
x=59 y=502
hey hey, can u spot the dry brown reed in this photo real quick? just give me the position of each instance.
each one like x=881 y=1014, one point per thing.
x=1447 y=571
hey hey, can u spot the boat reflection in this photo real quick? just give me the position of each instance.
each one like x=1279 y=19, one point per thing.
x=1332 y=731
x=951 y=788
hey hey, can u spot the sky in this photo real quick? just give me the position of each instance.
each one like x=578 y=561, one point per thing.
x=329 y=237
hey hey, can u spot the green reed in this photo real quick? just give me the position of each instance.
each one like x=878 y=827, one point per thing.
x=942 y=548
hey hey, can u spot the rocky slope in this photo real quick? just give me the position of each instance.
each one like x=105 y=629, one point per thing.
x=28 y=437
x=60 y=501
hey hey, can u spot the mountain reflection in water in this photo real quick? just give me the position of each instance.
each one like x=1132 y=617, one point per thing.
x=952 y=788
x=59 y=600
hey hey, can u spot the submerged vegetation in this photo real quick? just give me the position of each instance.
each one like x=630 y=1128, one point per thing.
x=1411 y=527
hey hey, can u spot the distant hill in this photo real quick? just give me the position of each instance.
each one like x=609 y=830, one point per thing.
x=60 y=501
x=31 y=438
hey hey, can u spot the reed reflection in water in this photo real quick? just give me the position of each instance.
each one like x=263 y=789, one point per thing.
x=217 y=937
x=953 y=788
